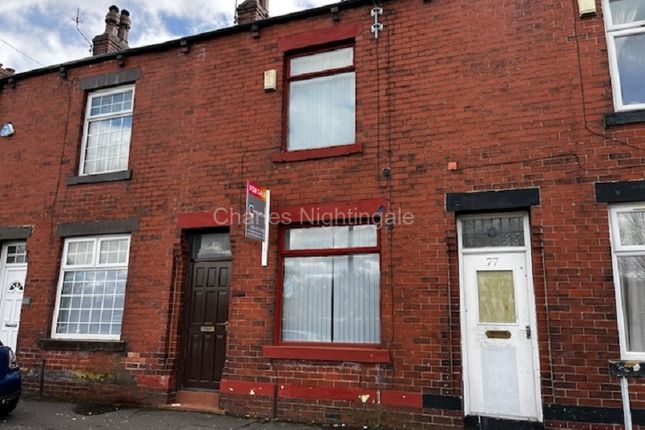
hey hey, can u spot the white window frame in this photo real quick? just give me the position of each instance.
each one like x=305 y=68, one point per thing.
x=612 y=32
x=101 y=117
x=97 y=240
x=618 y=250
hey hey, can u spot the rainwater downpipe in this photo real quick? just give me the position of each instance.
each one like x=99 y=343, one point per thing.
x=41 y=377
x=627 y=411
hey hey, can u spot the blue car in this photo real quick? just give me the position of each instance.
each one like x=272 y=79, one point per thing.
x=10 y=381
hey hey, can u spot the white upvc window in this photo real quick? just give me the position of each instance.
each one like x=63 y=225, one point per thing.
x=107 y=132
x=625 y=24
x=627 y=224
x=91 y=288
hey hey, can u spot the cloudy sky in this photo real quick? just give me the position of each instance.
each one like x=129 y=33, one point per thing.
x=45 y=30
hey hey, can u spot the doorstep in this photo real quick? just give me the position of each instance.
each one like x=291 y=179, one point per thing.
x=196 y=401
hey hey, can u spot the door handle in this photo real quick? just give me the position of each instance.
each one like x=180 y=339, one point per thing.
x=11 y=324
x=528 y=331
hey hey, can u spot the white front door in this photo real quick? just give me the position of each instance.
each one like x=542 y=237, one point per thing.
x=501 y=372
x=13 y=272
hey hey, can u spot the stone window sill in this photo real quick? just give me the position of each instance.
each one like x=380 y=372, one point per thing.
x=623 y=118
x=125 y=175
x=81 y=345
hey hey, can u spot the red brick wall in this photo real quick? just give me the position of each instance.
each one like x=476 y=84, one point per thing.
x=492 y=85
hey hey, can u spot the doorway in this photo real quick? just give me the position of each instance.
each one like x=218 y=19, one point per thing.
x=13 y=272
x=206 y=311
x=498 y=321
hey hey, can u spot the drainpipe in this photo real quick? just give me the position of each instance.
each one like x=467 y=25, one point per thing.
x=627 y=410
x=41 y=381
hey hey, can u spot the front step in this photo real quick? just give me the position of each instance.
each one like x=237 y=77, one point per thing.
x=197 y=401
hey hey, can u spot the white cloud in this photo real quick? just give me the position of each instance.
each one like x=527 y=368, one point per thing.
x=45 y=29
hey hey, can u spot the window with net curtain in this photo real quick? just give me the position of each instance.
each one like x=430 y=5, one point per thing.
x=628 y=245
x=91 y=289
x=108 y=127
x=625 y=24
x=331 y=285
x=322 y=99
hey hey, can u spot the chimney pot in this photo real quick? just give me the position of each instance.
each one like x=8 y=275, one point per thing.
x=112 y=20
x=125 y=25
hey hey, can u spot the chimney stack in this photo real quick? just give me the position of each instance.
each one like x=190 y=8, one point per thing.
x=117 y=29
x=252 y=10
x=5 y=73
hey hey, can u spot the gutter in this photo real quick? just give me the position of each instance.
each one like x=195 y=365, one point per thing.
x=178 y=43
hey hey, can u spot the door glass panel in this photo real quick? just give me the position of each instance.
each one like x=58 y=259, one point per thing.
x=631 y=226
x=493 y=232
x=212 y=246
x=16 y=254
x=496 y=297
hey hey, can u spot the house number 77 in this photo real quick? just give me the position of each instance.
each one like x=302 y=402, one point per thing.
x=492 y=261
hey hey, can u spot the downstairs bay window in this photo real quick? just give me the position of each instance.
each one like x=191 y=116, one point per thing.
x=331 y=285
x=91 y=288
x=628 y=246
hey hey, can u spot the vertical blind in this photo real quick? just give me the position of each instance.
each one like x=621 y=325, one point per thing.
x=331 y=299
x=322 y=100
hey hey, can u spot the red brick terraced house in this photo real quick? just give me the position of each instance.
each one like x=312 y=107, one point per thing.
x=458 y=216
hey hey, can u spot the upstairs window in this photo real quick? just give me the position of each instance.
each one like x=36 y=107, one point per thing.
x=108 y=126
x=628 y=246
x=625 y=23
x=322 y=99
x=331 y=285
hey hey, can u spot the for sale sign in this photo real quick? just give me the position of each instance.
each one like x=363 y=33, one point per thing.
x=257 y=208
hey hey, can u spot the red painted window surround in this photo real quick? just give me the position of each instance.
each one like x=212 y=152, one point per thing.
x=204 y=219
x=294 y=391
x=343 y=212
x=310 y=39
x=328 y=353
x=314 y=154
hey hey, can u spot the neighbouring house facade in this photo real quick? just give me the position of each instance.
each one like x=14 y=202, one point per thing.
x=458 y=216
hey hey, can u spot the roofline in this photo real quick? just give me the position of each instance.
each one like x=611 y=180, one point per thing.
x=175 y=43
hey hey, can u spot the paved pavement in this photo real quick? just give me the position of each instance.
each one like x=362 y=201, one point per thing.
x=32 y=414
